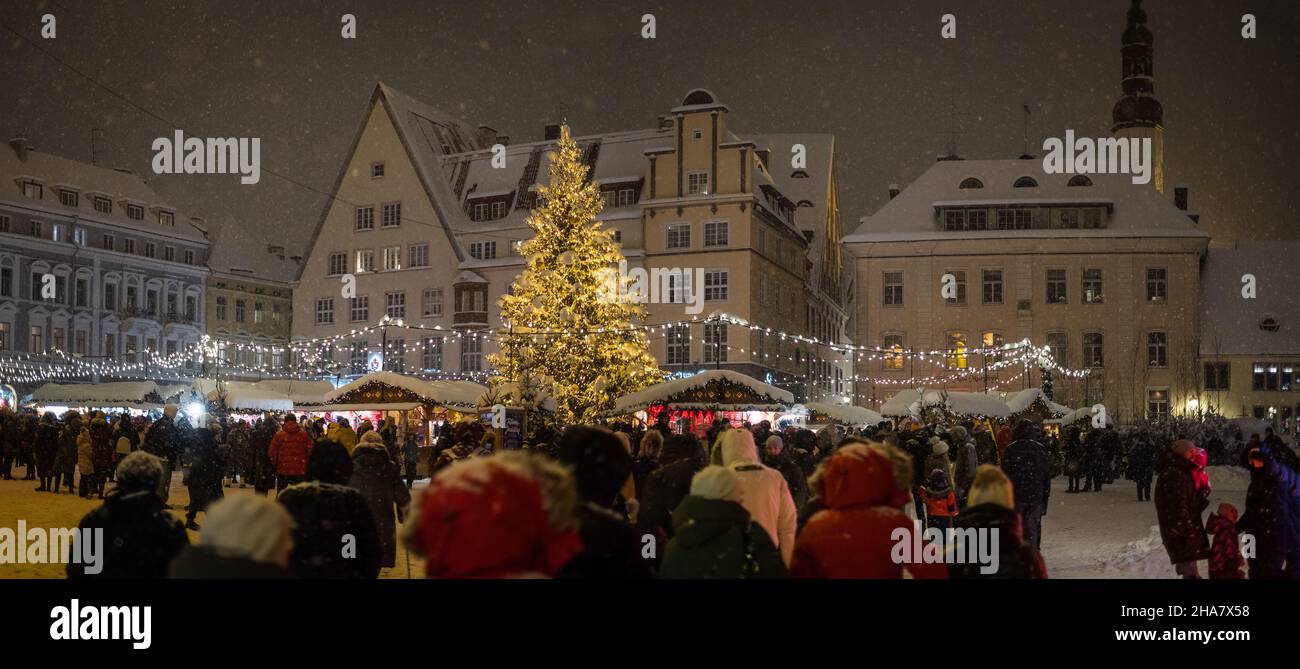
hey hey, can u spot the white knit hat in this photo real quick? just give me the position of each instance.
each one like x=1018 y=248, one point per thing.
x=714 y=482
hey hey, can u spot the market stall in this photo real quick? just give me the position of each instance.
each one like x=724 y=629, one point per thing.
x=694 y=402
x=417 y=405
x=918 y=403
x=818 y=414
x=133 y=396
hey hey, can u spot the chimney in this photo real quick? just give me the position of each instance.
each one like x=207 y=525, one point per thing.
x=893 y=191
x=503 y=140
x=20 y=147
x=552 y=132
x=664 y=122
x=486 y=136
x=1180 y=197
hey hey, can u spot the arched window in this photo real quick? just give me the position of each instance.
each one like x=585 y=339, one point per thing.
x=799 y=174
x=971 y=182
x=1269 y=324
x=1079 y=180
x=1025 y=182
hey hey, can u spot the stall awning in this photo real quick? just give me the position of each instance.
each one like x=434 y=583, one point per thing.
x=962 y=404
x=844 y=414
x=115 y=394
x=382 y=389
x=717 y=390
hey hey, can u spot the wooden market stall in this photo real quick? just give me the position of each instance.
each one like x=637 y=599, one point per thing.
x=820 y=414
x=133 y=396
x=695 y=401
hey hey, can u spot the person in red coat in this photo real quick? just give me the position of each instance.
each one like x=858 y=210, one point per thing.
x=290 y=450
x=1004 y=440
x=864 y=488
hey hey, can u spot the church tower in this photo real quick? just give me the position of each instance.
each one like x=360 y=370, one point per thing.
x=1138 y=113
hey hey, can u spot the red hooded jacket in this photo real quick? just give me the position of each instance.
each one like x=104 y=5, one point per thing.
x=851 y=538
x=290 y=449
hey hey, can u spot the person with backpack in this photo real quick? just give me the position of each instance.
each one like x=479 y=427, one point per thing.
x=714 y=536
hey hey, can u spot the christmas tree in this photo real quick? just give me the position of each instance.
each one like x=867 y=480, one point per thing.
x=562 y=321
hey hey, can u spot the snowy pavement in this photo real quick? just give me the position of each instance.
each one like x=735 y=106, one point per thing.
x=1112 y=535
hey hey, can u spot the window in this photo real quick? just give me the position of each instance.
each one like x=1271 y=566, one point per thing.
x=483 y=250
x=419 y=255
x=239 y=311
x=893 y=345
x=132 y=301
x=977 y=219
x=392 y=214
x=34 y=190
x=715 y=233
x=395 y=304
x=1025 y=182
x=169 y=253
x=359 y=309
x=221 y=308
x=275 y=314
x=365 y=261
x=189 y=257
x=1157 y=349
x=1269 y=324
x=679 y=235
x=377 y=170
x=392 y=258
x=36 y=345
x=6 y=282
x=1015 y=219
x=1157 y=284
x=1091 y=218
x=956 y=358
x=471 y=354
x=1218 y=376
x=1079 y=180
x=1056 y=287
x=258 y=311
x=81 y=293
x=69 y=198
x=1092 y=292
x=191 y=308
x=677 y=340
x=697 y=134
x=992 y=340
x=110 y=296
x=150 y=250
x=954 y=219
x=626 y=197
x=135 y=212
x=79 y=345
x=992 y=286
x=608 y=199
x=1262 y=377
x=1058 y=345
x=102 y=205
x=697 y=183
x=893 y=289
x=56 y=232
x=56 y=339
x=431 y=358
x=960 y=298
x=108 y=242
x=715 y=285
x=5 y=224
x=1158 y=403
x=971 y=182
x=4 y=337
x=338 y=263
x=166 y=218
x=324 y=310
x=128 y=246
x=357 y=357
x=395 y=356
x=365 y=218
x=715 y=342
x=1093 y=350
x=431 y=303
x=498 y=210
x=36 y=229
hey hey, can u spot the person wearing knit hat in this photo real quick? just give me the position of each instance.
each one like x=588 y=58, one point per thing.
x=601 y=466
x=1179 y=501
x=940 y=501
x=244 y=537
x=328 y=515
x=713 y=535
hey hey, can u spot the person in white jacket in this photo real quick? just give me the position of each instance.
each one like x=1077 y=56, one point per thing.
x=763 y=490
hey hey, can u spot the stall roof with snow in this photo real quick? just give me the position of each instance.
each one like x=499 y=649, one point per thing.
x=962 y=404
x=115 y=394
x=843 y=414
x=381 y=390
x=717 y=390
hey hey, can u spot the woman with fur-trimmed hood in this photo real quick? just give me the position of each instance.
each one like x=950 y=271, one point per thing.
x=379 y=480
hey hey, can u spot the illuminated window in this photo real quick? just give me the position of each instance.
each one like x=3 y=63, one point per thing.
x=957 y=350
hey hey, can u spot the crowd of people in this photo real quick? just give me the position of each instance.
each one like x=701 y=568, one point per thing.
x=623 y=501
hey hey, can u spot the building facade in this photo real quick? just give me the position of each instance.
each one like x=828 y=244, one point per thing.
x=127 y=269
x=249 y=306
x=427 y=218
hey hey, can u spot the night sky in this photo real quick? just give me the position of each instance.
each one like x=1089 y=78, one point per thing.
x=873 y=72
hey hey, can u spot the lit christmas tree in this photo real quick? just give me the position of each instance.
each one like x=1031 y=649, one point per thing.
x=563 y=323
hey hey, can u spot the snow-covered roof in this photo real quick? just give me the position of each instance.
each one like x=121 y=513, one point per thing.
x=965 y=404
x=453 y=393
x=115 y=393
x=1082 y=413
x=1022 y=400
x=236 y=250
x=767 y=397
x=844 y=413
x=1138 y=210
x=1230 y=323
x=300 y=391
x=118 y=185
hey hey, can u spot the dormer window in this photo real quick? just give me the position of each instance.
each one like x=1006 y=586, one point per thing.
x=166 y=218
x=799 y=174
x=69 y=198
x=970 y=182
x=1025 y=182
x=1269 y=324
x=1079 y=180
x=33 y=189
x=135 y=212
x=104 y=205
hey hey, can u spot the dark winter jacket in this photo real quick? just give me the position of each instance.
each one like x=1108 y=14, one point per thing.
x=204 y=562
x=965 y=460
x=163 y=440
x=262 y=468
x=1074 y=456
x=1272 y=512
x=1225 y=555
x=1178 y=509
x=715 y=538
x=207 y=468
x=65 y=460
x=986 y=450
x=47 y=447
x=324 y=515
x=1141 y=461
x=101 y=444
x=379 y=480
x=794 y=476
x=1027 y=464
x=140 y=537
x=1017 y=558
x=668 y=485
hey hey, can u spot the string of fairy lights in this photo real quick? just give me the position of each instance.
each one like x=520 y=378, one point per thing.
x=318 y=356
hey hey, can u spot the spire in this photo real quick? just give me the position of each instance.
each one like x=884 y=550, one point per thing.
x=1138 y=107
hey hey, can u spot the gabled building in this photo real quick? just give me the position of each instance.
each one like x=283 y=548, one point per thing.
x=429 y=225
x=128 y=268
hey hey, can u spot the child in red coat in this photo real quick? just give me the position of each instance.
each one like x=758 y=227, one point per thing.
x=1225 y=557
x=939 y=499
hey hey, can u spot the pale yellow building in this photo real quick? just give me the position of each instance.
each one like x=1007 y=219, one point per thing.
x=249 y=306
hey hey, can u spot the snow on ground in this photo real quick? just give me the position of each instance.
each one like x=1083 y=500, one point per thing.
x=1112 y=535
x=19 y=500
